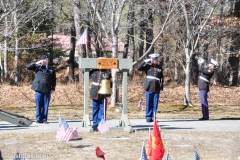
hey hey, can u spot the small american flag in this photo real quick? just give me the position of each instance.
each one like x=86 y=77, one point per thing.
x=102 y=126
x=83 y=38
x=65 y=132
x=196 y=156
x=143 y=154
x=18 y=156
x=60 y=122
x=75 y=132
x=140 y=108
x=168 y=157
x=68 y=135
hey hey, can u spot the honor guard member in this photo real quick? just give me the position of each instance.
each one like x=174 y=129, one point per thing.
x=44 y=85
x=206 y=74
x=153 y=84
x=97 y=75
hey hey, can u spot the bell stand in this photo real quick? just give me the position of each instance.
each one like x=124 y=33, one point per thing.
x=122 y=64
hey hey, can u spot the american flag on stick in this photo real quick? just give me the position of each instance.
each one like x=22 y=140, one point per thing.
x=60 y=122
x=196 y=156
x=66 y=132
x=18 y=156
x=168 y=157
x=143 y=153
x=84 y=38
x=75 y=132
x=102 y=126
x=140 y=108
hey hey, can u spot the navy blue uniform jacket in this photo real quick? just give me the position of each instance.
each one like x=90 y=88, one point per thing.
x=154 y=77
x=204 y=78
x=45 y=78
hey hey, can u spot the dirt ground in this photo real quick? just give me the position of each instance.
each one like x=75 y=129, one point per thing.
x=120 y=145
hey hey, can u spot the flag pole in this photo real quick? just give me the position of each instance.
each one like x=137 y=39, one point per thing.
x=104 y=109
x=142 y=147
x=87 y=44
x=87 y=51
x=143 y=143
x=149 y=132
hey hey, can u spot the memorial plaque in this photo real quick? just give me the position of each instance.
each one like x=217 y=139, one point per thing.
x=107 y=63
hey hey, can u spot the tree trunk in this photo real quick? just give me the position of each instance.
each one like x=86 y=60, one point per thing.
x=236 y=11
x=194 y=70
x=78 y=26
x=115 y=91
x=5 y=61
x=1 y=66
x=187 y=98
x=141 y=35
x=234 y=64
x=149 y=31
x=15 y=67
x=176 y=74
x=129 y=39
x=114 y=98
x=126 y=45
x=72 y=53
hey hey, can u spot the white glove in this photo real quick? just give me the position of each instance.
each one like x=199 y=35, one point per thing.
x=161 y=92
x=200 y=61
x=147 y=60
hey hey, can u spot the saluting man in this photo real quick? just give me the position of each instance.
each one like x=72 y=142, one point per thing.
x=44 y=85
x=153 y=84
x=97 y=76
x=203 y=85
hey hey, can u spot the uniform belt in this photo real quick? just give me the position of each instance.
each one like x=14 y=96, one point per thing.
x=204 y=79
x=96 y=84
x=151 y=77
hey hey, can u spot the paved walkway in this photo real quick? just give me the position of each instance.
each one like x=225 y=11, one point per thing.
x=222 y=125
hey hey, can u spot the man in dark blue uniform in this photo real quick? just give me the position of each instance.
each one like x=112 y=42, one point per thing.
x=44 y=85
x=206 y=74
x=153 y=84
x=98 y=100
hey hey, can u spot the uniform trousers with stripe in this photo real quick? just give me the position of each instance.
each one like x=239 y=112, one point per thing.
x=42 y=103
x=151 y=105
x=98 y=111
x=203 y=95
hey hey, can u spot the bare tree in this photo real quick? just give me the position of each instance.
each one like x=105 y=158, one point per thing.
x=112 y=12
x=196 y=15
x=168 y=14
x=6 y=9
x=129 y=38
x=20 y=16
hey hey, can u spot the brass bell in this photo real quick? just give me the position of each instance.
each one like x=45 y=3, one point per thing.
x=104 y=87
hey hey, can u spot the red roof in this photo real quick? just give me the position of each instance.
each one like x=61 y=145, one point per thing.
x=64 y=41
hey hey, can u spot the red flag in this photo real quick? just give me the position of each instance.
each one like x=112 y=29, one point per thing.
x=99 y=153
x=83 y=38
x=157 y=148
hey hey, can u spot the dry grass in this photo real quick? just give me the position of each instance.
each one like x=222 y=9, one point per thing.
x=68 y=99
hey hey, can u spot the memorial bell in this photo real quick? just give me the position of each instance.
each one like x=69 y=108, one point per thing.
x=105 y=87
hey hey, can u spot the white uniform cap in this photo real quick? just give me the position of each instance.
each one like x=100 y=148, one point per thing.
x=154 y=55
x=214 y=62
